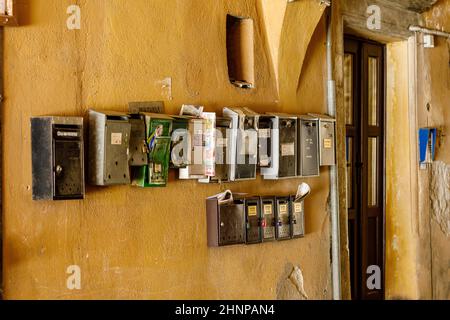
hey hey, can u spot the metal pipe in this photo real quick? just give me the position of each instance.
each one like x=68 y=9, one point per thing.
x=334 y=200
x=429 y=31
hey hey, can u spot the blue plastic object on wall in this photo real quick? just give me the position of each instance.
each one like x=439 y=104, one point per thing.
x=427 y=144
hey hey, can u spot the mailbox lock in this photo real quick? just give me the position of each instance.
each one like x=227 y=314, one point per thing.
x=59 y=170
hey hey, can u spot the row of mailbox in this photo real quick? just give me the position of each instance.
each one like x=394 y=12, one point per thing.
x=140 y=148
x=254 y=220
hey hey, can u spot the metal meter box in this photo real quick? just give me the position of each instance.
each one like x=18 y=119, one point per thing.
x=308 y=161
x=243 y=152
x=225 y=221
x=109 y=141
x=283 y=218
x=158 y=129
x=57 y=149
x=267 y=207
x=297 y=218
x=265 y=130
x=284 y=148
x=327 y=139
x=253 y=218
x=138 y=146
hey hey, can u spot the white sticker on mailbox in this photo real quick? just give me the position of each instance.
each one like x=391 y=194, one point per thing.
x=116 y=139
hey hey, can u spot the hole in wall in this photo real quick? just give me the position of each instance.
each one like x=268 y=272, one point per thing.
x=240 y=51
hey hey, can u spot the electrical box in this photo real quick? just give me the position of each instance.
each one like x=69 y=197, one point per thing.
x=284 y=148
x=327 y=139
x=297 y=218
x=225 y=221
x=265 y=130
x=308 y=161
x=109 y=141
x=57 y=149
x=268 y=208
x=158 y=129
x=283 y=218
x=243 y=152
x=138 y=146
x=253 y=219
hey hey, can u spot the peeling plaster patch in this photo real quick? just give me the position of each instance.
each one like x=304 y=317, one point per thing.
x=291 y=284
x=166 y=88
x=395 y=244
x=440 y=195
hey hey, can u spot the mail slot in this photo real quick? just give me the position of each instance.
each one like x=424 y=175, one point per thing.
x=225 y=221
x=138 y=147
x=308 y=161
x=327 y=139
x=57 y=158
x=243 y=152
x=158 y=128
x=283 y=222
x=297 y=218
x=109 y=141
x=267 y=207
x=253 y=220
x=284 y=148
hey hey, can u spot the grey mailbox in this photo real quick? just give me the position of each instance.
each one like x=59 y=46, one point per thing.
x=308 y=146
x=327 y=139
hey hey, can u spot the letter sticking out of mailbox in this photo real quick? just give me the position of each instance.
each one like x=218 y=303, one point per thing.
x=225 y=215
x=109 y=141
x=57 y=158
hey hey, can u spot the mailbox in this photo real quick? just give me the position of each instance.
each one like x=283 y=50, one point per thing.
x=327 y=139
x=308 y=161
x=109 y=141
x=223 y=127
x=138 y=147
x=225 y=220
x=57 y=150
x=284 y=148
x=282 y=220
x=265 y=131
x=180 y=145
x=297 y=218
x=268 y=208
x=253 y=219
x=243 y=152
x=196 y=169
x=158 y=128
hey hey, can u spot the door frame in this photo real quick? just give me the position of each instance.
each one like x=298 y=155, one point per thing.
x=361 y=92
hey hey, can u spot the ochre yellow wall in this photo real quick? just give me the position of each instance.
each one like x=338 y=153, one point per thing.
x=133 y=243
x=401 y=281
